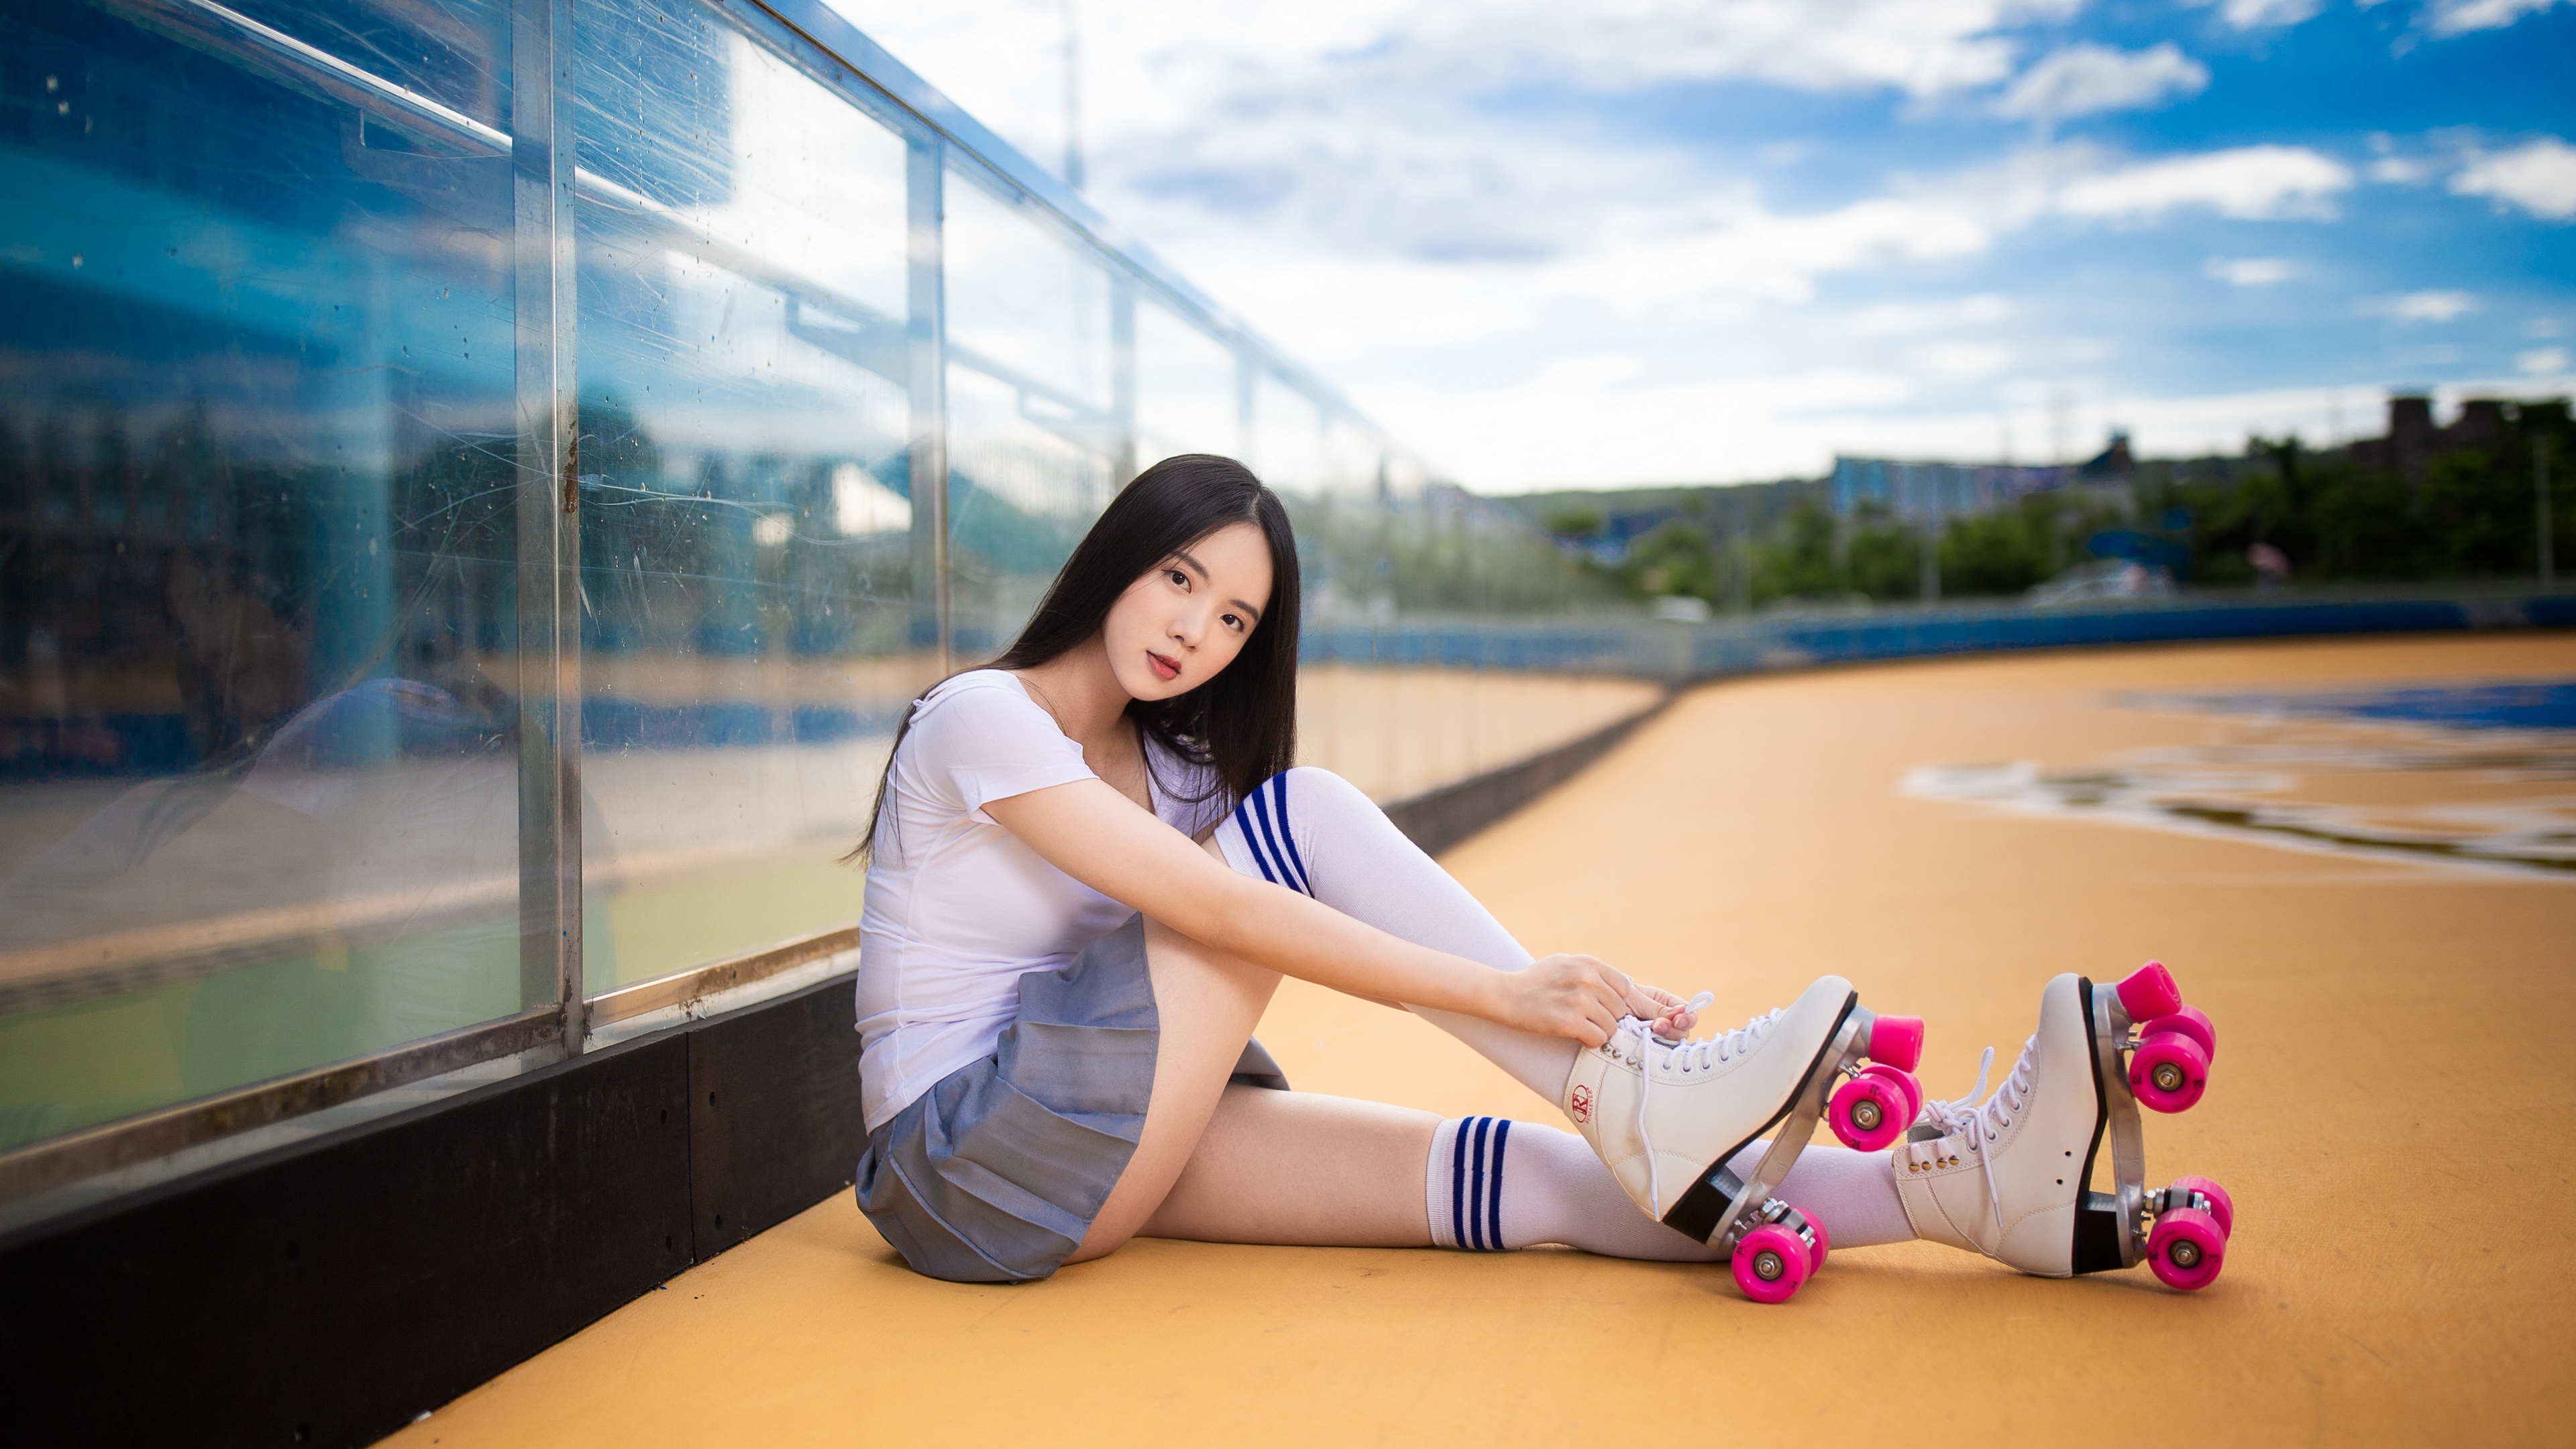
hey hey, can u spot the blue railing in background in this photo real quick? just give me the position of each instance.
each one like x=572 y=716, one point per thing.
x=1685 y=652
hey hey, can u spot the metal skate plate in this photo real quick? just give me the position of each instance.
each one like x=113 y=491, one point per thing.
x=2128 y=1134
x=1744 y=1198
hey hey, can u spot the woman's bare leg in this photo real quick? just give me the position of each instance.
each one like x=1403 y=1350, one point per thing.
x=1303 y=1169
x=1208 y=1003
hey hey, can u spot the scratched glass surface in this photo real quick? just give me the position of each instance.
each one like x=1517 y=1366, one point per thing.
x=747 y=564
x=257 y=766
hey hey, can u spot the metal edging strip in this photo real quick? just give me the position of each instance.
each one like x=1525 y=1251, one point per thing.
x=548 y=513
x=686 y=988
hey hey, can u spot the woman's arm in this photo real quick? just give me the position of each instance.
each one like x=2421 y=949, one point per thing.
x=1099 y=837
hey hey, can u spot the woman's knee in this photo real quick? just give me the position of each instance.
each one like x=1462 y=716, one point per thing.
x=1314 y=785
x=1172 y=958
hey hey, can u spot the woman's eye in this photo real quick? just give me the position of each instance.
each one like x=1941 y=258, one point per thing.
x=1178 y=578
x=1233 y=621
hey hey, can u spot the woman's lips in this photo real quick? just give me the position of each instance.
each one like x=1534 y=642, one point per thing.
x=1164 y=665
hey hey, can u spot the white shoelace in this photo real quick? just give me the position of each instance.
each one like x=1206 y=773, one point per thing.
x=1985 y=1123
x=1632 y=1042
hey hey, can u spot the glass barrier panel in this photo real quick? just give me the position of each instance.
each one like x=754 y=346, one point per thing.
x=1186 y=389
x=1003 y=61
x=1034 y=439
x=258 y=769
x=747 y=576
x=1287 y=438
x=1355 y=461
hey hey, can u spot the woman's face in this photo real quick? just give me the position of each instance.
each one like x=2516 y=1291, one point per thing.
x=1186 y=619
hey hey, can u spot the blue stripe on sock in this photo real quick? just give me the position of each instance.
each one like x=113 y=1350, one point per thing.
x=1494 y=1194
x=1458 y=1187
x=1305 y=882
x=1269 y=842
x=1261 y=811
x=1476 y=1193
x=1252 y=842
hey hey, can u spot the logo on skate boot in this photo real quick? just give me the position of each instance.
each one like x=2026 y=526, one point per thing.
x=1580 y=1106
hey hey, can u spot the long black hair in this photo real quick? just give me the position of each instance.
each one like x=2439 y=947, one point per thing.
x=1242 y=723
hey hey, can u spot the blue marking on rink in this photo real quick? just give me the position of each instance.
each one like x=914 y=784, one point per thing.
x=2540 y=704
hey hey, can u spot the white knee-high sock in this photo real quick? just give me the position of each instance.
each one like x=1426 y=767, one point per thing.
x=1852 y=1193
x=1313 y=831
x=1492 y=1184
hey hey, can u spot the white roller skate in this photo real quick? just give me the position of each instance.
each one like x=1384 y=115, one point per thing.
x=1667 y=1117
x=2011 y=1177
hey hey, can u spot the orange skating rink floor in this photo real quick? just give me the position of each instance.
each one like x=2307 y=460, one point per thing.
x=2391 y=1106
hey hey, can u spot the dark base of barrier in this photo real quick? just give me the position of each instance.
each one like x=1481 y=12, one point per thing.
x=328 y=1292
x=1441 y=818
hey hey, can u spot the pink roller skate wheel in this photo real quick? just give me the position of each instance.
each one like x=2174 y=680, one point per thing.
x=2222 y=1208
x=1824 y=1242
x=2168 y=1071
x=2192 y=1022
x=1868 y=1113
x=1902 y=1081
x=2150 y=992
x=1897 y=1041
x=2186 y=1249
x=1770 y=1263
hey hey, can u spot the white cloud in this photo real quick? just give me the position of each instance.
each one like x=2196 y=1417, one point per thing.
x=1962 y=361
x=2082 y=80
x=2253 y=14
x=2458 y=17
x=1900 y=317
x=1151 y=67
x=1673 y=333
x=2542 y=360
x=2248 y=182
x=1426 y=203
x=2248 y=271
x=2539 y=177
x=2421 y=306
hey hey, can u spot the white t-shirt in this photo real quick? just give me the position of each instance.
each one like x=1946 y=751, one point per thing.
x=958 y=908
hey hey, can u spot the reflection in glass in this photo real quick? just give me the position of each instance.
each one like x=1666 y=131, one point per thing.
x=256 y=559
x=1034 y=437
x=746 y=571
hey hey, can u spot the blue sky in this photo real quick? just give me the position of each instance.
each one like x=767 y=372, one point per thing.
x=1642 y=241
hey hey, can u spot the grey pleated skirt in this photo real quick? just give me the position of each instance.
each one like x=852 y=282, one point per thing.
x=994 y=1175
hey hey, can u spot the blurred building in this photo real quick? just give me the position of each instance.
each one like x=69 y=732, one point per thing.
x=2413 y=439
x=1924 y=490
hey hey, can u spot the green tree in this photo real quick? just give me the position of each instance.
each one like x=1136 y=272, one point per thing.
x=1674 y=558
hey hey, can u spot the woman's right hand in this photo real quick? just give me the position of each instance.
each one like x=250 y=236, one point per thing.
x=1581 y=997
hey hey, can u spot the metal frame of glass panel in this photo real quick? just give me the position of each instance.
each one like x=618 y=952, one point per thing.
x=546 y=181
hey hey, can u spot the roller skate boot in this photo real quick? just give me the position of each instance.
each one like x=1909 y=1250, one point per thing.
x=2010 y=1177
x=1667 y=1117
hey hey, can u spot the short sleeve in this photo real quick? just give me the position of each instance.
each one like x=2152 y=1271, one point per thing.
x=990 y=742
